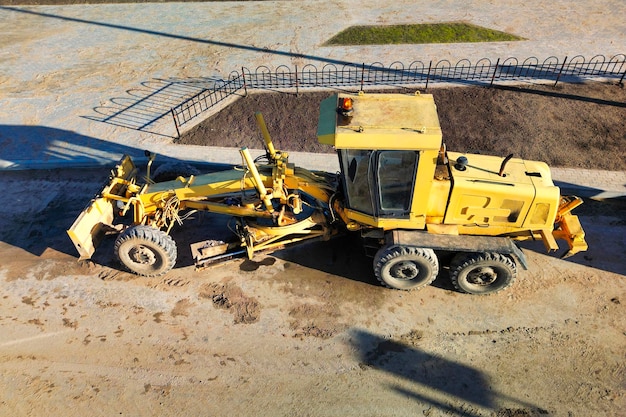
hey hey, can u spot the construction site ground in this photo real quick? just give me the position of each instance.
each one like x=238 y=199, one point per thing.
x=301 y=332
x=306 y=331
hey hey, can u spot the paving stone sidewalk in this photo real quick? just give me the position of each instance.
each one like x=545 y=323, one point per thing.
x=66 y=71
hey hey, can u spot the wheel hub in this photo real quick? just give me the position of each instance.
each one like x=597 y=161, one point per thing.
x=405 y=270
x=482 y=276
x=142 y=255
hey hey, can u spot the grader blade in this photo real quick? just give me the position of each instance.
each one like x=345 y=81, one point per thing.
x=91 y=226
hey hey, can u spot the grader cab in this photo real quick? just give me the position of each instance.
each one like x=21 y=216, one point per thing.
x=413 y=203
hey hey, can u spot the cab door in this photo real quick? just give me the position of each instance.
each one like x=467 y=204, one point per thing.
x=379 y=183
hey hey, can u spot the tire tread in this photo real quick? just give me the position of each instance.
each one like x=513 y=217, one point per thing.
x=149 y=234
x=389 y=253
x=462 y=261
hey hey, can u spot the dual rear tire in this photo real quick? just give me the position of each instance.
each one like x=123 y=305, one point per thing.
x=410 y=268
x=406 y=267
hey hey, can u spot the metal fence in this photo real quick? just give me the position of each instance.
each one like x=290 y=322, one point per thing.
x=205 y=99
x=397 y=74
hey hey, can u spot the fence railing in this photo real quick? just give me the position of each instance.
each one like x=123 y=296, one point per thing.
x=205 y=99
x=397 y=74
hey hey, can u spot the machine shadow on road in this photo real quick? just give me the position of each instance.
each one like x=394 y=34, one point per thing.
x=41 y=147
x=48 y=177
x=51 y=175
x=432 y=380
x=343 y=256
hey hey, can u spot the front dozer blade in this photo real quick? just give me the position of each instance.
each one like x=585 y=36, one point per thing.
x=90 y=227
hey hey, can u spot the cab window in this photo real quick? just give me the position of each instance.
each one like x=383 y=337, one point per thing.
x=355 y=164
x=396 y=174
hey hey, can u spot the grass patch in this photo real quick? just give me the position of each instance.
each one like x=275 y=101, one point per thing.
x=455 y=32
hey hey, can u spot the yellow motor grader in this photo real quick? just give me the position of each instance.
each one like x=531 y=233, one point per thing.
x=413 y=203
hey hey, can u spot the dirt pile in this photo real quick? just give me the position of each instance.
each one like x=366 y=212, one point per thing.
x=570 y=125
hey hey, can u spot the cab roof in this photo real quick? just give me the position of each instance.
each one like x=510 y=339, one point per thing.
x=380 y=121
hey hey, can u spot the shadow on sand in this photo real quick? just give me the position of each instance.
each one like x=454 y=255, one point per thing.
x=48 y=176
x=433 y=381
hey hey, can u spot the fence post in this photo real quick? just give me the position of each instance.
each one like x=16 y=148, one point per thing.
x=495 y=70
x=296 y=66
x=558 y=77
x=175 y=123
x=430 y=65
x=362 y=74
x=621 y=80
x=245 y=87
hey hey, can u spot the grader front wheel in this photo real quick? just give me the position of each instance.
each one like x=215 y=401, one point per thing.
x=406 y=267
x=146 y=251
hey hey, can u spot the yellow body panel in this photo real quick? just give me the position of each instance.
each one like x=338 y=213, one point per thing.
x=482 y=202
x=486 y=196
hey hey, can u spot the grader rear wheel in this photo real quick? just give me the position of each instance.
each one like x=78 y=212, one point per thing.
x=146 y=251
x=406 y=267
x=482 y=273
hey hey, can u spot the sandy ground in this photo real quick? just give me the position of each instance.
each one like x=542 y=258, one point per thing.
x=302 y=332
